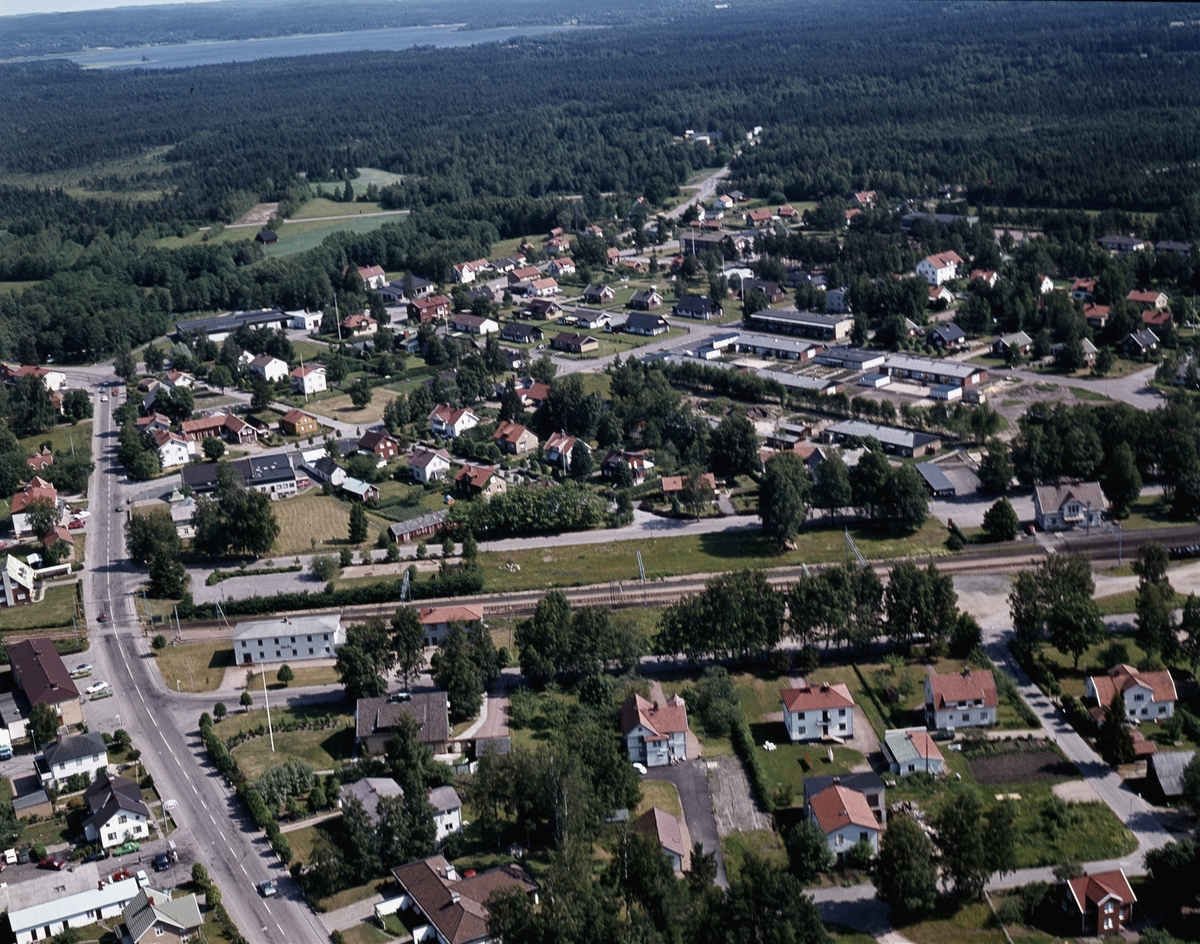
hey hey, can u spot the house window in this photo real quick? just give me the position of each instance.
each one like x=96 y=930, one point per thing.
x=966 y=717
x=841 y=712
x=310 y=652
x=122 y=819
x=1108 y=923
x=293 y=639
x=112 y=837
x=1108 y=908
x=277 y=642
x=326 y=637
x=841 y=727
x=1138 y=697
x=261 y=655
x=245 y=645
x=158 y=930
x=310 y=638
x=276 y=653
x=1162 y=709
x=837 y=840
x=863 y=836
x=803 y=729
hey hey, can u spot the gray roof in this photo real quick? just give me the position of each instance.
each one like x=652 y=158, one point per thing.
x=290 y=625
x=1168 y=768
x=795 y=381
x=369 y=790
x=888 y=435
x=857 y=357
x=200 y=478
x=37 y=798
x=931 y=365
x=866 y=782
x=1016 y=339
x=1053 y=497
x=1143 y=338
x=260 y=470
x=430 y=710
x=233 y=321
x=431 y=520
x=45 y=904
x=935 y=478
x=444 y=799
x=773 y=342
x=150 y=908
x=109 y=795
x=74 y=746
x=792 y=316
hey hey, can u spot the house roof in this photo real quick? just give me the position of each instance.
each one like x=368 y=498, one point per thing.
x=510 y=432
x=541 y=284
x=941 y=260
x=450 y=415
x=515 y=330
x=38 y=487
x=1147 y=297
x=935 y=478
x=1083 y=285
x=1156 y=317
x=466 y=612
x=967 y=686
x=1053 y=497
x=674 y=483
x=44 y=677
x=477 y=476
x=911 y=745
x=455 y=906
x=1095 y=889
x=664 y=827
x=760 y=215
x=1169 y=768
x=810 y=698
x=151 y=908
x=429 y=709
x=695 y=303
x=107 y=797
x=949 y=333
x=560 y=443
x=838 y=806
x=420 y=523
x=369 y=790
x=1144 y=338
x=264 y=359
x=74 y=747
x=423 y=457
x=289 y=625
x=93 y=896
x=1016 y=339
x=667 y=719
x=597 y=288
x=570 y=339
x=306 y=370
x=534 y=390
x=864 y=782
x=1095 y=311
x=444 y=799
x=641 y=320
x=373 y=437
x=1122 y=678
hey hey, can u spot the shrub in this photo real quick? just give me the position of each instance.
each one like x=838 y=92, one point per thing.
x=859 y=855
x=219 y=710
x=199 y=873
x=159 y=643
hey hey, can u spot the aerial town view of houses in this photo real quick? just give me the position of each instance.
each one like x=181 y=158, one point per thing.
x=718 y=533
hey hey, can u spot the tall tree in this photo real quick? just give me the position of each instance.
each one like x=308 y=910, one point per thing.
x=697 y=493
x=358 y=673
x=542 y=639
x=905 y=874
x=358 y=523
x=1115 y=741
x=1121 y=480
x=455 y=671
x=1073 y=626
x=1000 y=522
x=733 y=446
x=783 y=497
x=408 y=642
x=360 y=842
x=1156 y=620
x=960 y=841
x=831 y=485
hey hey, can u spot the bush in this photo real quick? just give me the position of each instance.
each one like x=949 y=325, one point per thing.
x=780 y=661
x=743 y=743
x=159 y=643
x=859 y=855
x=37 y=852
x=199 y=873
x=323 y=568
x=219 y=710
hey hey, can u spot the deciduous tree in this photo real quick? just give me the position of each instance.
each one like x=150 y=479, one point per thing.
x=783 y=497
x=905 y=874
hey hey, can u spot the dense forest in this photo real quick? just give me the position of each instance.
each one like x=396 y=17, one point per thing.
x=1034 y=108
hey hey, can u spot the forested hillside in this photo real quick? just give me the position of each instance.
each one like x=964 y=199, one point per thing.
x=1067 y=106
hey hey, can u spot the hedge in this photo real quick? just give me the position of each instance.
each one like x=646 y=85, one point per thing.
x=743 y=743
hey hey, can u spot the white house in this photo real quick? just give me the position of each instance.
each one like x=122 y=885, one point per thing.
x=288 y=639
x=1148 y=696
x=447 y=811
x=305 y=320
x=447 y=421
x=73 y=754
x=428 y=465
x=845 y=818
x=436 y=620
x=940 y=267
x=967 y=700
x=308 y=379
x=270 y=368
x=114 y=812
x=48 y=912
x=909 y=750
x=173 y=449
x=654 y=735
x=465 y=272
x=374 y=276
x=559 y=447
x=811 y=713
x=1070 y=505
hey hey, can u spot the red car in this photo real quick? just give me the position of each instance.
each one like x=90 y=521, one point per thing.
x=102 y=618
x=53 y=862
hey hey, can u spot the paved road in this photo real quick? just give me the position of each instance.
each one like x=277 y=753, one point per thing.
x=162 y=724
x=1132 y=388
x=705 y=191
x=689 y=778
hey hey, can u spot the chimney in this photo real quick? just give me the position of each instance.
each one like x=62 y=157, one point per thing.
x=837 y=779
x=454 y=897
x=824 y=686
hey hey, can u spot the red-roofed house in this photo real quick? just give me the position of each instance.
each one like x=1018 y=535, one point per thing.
x=863 y=198
x=654 y=735
x=299 y=423
x=788 y=212
x=379 y=443
x=480 y=480
x=559 y=448
x=359 y=326
x=514 y=438
x=447 y=421
x=673 y=484
x=452 y=909
x=966 y=700
x=436 y=620
x=1147 y=299
x=1104 y=902
x=1156 y=318
x=60 y=534
x=851 y=214
x=988 y=277
x=813 y=712
x=39 y=672
x=759 y=217
x=533 y=393
x=37 y=488
x=226 y=425
x=465 y=272
x=42 y=460
x=308 y=379
x=940 y=295
x=845 y=818
x=1082 y=290
x=1148 y=695
x=1096 y=315
x=940 y=267
x=373 y=275
x=665 y=828
x=425 y=310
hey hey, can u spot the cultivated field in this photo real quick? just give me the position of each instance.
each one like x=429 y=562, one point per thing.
x=340 y=408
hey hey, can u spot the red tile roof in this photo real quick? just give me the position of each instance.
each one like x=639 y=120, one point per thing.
x=949 y=690
x=940 y=260
x=668 y=719
x=1094 y=889
x=838 y=806
x=1124 y=677
x=448 y=414
x=674 y=483
x=510 y=432
x=820 y=698
x=466 y=612
x=37 y=488
x=477 y=476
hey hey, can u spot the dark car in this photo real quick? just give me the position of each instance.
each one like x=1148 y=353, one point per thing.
x=53 y=862
x=161 y=862
x=22 y=856
x=98 y=856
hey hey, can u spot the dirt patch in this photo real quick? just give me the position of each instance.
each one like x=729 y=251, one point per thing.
x=1076 y=791
x=733 y=800
x=257 y=215
x=1020 y=767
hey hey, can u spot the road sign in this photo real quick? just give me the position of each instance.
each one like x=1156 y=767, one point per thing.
x=170 y=806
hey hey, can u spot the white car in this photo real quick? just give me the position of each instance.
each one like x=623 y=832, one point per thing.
x=81 y=670
x=640 y=768
x=97 y=687
x=103 y=398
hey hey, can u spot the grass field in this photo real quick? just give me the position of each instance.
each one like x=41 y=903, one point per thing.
x=616 y=343
x=61 y=438
x=340 y=408
x=705 y=553
x=323 y=748
x=307 y=675
x=660 y=793
x=55 y=610
x=1149 y=512
x=302 y=840
x=309 y=234
x=972 y=922
x=318 y=207
x=315 y=517
x=199 y=666
x=762 y=842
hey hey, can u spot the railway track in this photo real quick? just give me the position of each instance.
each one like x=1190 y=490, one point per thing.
x=1104 y=549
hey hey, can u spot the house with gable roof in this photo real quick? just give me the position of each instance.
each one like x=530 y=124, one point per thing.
x=665 y=828
x=965 y=700
x=1148 y=696
x=376 y=717
x=654 y=735
x=450 y=908
x=115 y=811
x=271 y=369
x=447 y=811
x=845 y=818
x=369 y=791
x=1104 y=902
x=170 y=919
x=559 y=448
x=38 y=670
x=482 y=480
x=908 y=750
x=814 y=712
x=37 y=488
x=1069 y=505
x=447 y=421
x=514 y=438
x=74 y=754
x=428 y=465
x=309 y=379
x=940 y=267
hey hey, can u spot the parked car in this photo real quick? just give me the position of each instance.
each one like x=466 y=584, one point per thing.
x=22 y=856
x=120 y=506
x=121 y=874
x=81 y=670
x=102 y=618
x=161 y=862
x=266 y=888
x=98 y=856
x=53 y=862
x=127 y=848
x=96 y=687
x=107 y=693
x=103 y=398
x=143 y=879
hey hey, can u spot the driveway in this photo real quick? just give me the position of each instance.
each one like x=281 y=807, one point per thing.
x=689 y=778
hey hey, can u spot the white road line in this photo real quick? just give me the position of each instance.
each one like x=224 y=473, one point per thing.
x=222 y=834
x=243 y=868
x=280 y=926
x=210 y=816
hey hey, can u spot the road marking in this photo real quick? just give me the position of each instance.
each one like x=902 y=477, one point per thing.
x=210 y=816
x=222 y=834
x=243 y=868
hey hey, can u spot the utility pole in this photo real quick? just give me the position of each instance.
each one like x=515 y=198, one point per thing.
x=266 y=702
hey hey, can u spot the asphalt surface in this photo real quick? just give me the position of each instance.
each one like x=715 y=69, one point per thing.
x=164 y=724
x=689 y=778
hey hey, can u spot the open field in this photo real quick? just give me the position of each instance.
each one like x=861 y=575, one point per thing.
x=318 y=207
x=199 y=666
x=340 y=408
x=60 y=438
x=308 y=234
x=315 y=517
x=55 y=610
x=1025 y=766
x=1149 y=511
x=322 y=748
x=761 y=842
x=705 y=553
x=615 y=343
x=306 y=675
x=971 y=922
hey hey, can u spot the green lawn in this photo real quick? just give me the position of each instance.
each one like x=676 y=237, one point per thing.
x=323 y=748
x=617 y=343
x=659 y=793
x=706 y=553
x=56 y=610
x=1148 y=512
x=309 y=234
x=199 y=666
x=366 y=932
x=761 y=842
x=972 y=922
x=318 y=518
x=303 y=840
x=61 y=438
x=318 y=207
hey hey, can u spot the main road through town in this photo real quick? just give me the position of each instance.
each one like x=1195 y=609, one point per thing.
x=165 y=726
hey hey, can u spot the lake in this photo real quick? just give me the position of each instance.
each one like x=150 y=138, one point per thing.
x=184 y=55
